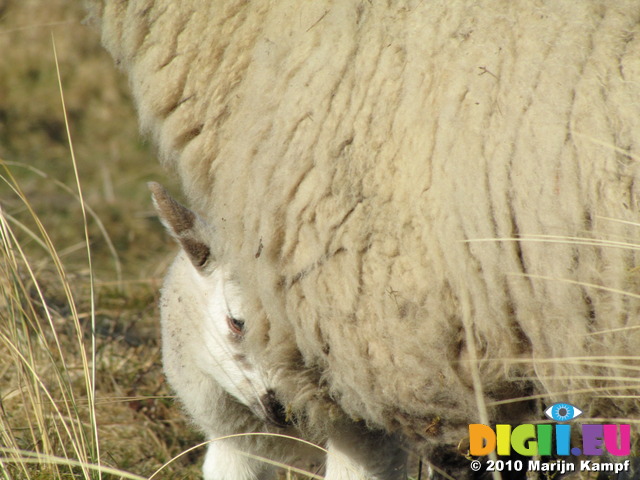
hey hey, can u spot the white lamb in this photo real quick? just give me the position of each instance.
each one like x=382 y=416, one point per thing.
x=222 y=388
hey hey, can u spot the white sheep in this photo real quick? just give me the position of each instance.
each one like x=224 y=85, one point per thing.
x=430 y=207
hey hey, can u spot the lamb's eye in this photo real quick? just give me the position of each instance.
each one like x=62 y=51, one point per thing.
x=235 y=325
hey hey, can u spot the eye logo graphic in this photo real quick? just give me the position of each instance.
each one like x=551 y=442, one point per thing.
x=562 y=412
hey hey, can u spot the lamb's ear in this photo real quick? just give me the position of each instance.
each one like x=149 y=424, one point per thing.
x=183 y=224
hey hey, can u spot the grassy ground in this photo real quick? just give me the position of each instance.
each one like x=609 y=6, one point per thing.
x=55 y=401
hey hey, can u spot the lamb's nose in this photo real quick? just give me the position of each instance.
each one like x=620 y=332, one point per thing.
x=274 y=410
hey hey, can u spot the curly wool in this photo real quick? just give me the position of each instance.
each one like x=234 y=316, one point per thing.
x=431 y=206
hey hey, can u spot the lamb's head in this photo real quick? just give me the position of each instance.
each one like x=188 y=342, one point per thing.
x=203 y=314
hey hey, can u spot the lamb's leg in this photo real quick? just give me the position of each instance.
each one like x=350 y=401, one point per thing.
x=224 y=462
x=341 y=466
x=361 y=455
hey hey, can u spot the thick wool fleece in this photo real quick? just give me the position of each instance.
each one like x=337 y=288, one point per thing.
x=430 y=205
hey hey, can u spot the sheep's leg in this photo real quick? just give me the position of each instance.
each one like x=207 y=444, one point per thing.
x=224 y=462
